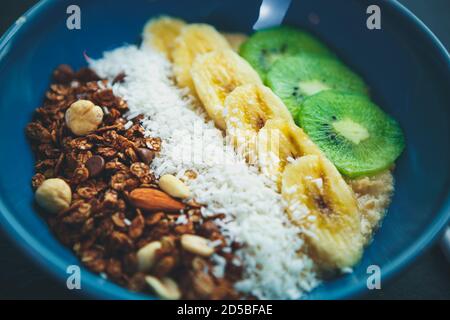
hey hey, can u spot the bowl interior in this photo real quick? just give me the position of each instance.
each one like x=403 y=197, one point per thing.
x=406 y=70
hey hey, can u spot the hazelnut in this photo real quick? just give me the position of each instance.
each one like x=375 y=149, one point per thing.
x=54 y=195
x=83 y=117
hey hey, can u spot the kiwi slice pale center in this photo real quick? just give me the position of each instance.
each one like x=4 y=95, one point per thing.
x=351 y=130
x=308 y=88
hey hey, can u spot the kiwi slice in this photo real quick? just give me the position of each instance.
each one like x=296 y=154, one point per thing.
x=264 y=47
x=295 y=78
x=355 y=134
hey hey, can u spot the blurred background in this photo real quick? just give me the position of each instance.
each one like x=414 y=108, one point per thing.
x=427 y=278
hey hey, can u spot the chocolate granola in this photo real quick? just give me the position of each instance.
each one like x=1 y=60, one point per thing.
x=102 y=168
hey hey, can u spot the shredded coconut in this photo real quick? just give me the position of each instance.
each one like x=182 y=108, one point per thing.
x=128 y=125
x=219 y=267
x=254 y=211
x=215 y=243
x=182 y=219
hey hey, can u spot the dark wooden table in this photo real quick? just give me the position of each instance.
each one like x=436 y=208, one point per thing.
x=427 y=278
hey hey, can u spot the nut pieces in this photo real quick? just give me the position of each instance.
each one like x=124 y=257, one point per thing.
x=54 y=195
x=83 y=117
x=174 y=187
x=196 y=245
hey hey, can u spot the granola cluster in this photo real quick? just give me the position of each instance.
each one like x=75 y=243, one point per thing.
x=101 y=224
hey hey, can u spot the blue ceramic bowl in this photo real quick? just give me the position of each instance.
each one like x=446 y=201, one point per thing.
x=405 y=65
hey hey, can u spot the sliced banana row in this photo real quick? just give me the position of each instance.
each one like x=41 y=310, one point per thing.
x=261 y=128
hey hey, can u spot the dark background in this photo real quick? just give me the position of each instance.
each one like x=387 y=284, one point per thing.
x=427 y=278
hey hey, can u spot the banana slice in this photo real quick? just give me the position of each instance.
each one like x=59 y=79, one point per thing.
x=215 y=75
x=160 y=33
x=194 y=39
x=279 y=141
x=321 y=202
x=235 y=39
x=247 y=108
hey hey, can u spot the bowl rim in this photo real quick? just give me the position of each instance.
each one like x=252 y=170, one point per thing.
x=96 y=287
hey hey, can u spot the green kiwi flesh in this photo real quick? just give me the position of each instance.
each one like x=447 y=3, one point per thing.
x=295 y=78
x=266 y=46
x=354 y=133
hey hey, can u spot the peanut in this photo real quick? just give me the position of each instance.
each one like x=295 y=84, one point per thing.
x=54 y=195
x=165 y=288
x=83 y=117
x=196 y=245
x=174 y=186
x=147 y=254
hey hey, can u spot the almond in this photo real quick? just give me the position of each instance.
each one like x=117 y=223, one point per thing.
x=154 y=200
